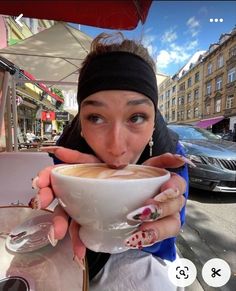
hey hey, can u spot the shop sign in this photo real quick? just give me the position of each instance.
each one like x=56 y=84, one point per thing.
x=62 y=116
x=48 y=115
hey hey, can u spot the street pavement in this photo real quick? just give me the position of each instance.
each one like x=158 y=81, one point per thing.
x=209 y=232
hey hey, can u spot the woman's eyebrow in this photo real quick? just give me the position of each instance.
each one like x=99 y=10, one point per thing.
x=139 y=101
x=93 y=103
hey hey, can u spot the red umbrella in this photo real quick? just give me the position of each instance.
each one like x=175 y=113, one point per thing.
x=117 y=14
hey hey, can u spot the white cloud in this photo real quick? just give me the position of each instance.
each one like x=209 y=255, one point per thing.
x=169 y=36
x=193 y=26
x=165 y=58
x=175 y=54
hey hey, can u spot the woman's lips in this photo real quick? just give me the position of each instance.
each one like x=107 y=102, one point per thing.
x=117 y=166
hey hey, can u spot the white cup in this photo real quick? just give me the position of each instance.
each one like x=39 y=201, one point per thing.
x=101 y=202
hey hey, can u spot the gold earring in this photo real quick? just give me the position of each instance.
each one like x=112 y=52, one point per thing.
x=151 y=143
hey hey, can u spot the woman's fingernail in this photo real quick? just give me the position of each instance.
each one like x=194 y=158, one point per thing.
x=142 y=238
x=147 y=213
x=35 y=183
x=51 y=237
x=186 y=160
x=35 y=203
x=80 y=262
x=169 y=193
x=49 y=149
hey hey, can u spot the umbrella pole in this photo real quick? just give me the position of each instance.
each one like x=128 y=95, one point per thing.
x=8 y=123
x=14 y=115
x=4 y=98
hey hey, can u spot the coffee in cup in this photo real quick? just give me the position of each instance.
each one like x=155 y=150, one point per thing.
x=100 y=198
x=103 y=172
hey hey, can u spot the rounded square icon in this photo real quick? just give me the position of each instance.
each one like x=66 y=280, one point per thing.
x=182 y=272
x=216 y=272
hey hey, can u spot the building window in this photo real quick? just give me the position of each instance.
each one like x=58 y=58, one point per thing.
x=196 y=94
x=173 y=89
x=218 y=83
x=189 y=82
x=196 y=112
x=232 y=75
x=209 y=69
x=189 y=97
x=208 y=88
x=232 y=51
x=173 y=115
x=220 y=61
x=168 y=94
x=229 y=102
x=173 y=102
x=181 y=100
x=188 y=113
x=208 y=109
x=182 y=87
x=197 y=77
x=161 y=98
x=161 y=108
x=178 y=115
x=182 y=115
x=218 y=105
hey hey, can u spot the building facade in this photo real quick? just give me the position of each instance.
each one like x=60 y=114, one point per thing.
x=206 y=88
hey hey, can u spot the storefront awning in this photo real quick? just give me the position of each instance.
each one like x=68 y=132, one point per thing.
x=204 y=123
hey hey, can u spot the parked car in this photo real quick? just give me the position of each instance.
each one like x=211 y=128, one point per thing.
x=215 y=158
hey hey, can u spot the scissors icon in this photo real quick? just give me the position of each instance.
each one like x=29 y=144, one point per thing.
x=215 y=272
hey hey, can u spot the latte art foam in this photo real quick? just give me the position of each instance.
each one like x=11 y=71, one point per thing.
x=103 y=172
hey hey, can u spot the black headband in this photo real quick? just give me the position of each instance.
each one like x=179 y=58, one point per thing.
x=118 y=71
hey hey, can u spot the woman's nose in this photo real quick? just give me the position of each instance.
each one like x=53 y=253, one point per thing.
x=116 y=144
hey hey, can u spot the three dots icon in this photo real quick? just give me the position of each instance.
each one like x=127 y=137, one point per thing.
x=216 y=19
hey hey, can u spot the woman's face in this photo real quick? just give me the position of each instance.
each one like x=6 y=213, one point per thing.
x=117 y=125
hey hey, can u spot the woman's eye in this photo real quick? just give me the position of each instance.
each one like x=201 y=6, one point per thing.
x=138 y=118
x=95 y=119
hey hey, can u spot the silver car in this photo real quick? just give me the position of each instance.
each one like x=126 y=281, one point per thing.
x=215 y=158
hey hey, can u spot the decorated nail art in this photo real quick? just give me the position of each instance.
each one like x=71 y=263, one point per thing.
x=51 y=237
x=168 y=194
x=146 y=213
x=142 y=238
x=186 y=160
x=80 y=262
x=35 y=203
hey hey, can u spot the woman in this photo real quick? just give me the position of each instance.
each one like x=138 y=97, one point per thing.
x=118 y=123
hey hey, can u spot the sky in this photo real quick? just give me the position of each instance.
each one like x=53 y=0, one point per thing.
x=175 y=30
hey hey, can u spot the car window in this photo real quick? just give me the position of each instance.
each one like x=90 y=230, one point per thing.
x=187 y=132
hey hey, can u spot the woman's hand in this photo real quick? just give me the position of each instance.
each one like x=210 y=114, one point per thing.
x=160 y=216
x=45 y=196
x=168 y=202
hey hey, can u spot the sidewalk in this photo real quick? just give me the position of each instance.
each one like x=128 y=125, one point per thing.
x=196 y=286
